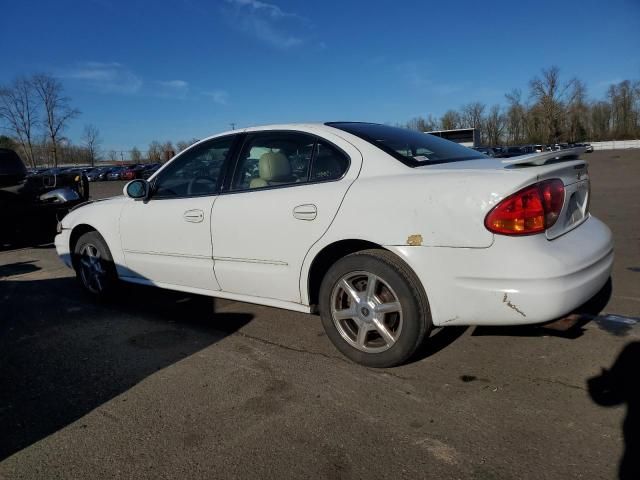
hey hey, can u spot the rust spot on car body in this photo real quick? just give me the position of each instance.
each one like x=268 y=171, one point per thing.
x=506 y=300
x=414 y=240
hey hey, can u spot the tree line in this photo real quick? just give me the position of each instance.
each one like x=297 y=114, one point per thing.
x=551 y=111
x=35 y=112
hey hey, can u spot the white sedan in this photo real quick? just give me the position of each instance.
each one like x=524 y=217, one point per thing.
x=385 y=232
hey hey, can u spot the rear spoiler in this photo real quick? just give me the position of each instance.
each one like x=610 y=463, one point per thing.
x=543 y=157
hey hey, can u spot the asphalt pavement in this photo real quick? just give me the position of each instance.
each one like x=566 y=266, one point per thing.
x=158 y=384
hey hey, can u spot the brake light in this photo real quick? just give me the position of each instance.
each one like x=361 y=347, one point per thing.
x=531 y=210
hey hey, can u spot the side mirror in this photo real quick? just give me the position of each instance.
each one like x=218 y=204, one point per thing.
x=136 y=189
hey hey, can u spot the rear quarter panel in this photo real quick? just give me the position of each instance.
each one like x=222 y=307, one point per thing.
x=435 y=209
x=393 y=205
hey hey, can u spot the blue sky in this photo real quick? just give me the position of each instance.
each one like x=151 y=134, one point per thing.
x=170 y=70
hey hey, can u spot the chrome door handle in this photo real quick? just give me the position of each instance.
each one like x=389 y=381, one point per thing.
x=194 y=216
x=305 y=212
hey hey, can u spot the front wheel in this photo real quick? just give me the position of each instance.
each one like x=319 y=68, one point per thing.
x=374 y=309
x=94 y=265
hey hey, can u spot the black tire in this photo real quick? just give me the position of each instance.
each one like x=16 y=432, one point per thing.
x=96 y=273
x=393 y=279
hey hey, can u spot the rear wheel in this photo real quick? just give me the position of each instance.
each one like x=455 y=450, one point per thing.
x=94 y=265
x=374 y=309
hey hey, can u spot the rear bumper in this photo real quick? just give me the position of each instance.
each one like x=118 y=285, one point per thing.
x=518 y=280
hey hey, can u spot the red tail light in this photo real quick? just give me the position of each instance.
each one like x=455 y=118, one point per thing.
x=531 y=210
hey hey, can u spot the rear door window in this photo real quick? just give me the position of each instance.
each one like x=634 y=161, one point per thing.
x=329 y=163
x=271 y=159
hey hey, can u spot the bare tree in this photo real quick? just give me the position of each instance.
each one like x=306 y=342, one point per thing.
x=136 y=156
x=92 y=141
x=577 y=114
x=168 y=151
x=182 y=145
x=472 y=115
x=155 y=151
x=554 y=111
x=421 y=124
x=494 y=125
x=622 y=101
x=515 y=117
x=112 y=156
x=450 y=120
x=551 y=97
x=600 y=120
x=19 y=111
x=57 y=111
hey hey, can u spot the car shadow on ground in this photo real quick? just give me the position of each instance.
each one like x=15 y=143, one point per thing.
x=62 y=355
x=18 y=268
x=616 y=386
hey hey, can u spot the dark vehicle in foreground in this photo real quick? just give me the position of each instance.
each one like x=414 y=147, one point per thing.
x=32 y=203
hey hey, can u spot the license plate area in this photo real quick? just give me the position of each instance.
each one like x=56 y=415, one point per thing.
x=574 y=211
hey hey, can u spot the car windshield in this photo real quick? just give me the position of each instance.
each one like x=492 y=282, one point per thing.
x=409 y=146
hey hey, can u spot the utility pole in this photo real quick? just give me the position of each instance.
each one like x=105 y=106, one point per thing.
x=233 y=126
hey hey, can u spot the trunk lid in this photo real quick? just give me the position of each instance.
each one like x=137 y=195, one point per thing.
x=516 y=173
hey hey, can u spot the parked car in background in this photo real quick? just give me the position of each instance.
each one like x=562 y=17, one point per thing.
x=508 y=152
x=93 y=175
x=132 y=172
x=128 y=173
x=102 y=176
x=587 y=146
x=115 y=173
x=31 y=203
x=489 y=151
x=382 y=230
x=150 y=170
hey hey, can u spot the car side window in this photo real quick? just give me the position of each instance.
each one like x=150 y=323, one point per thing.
x=196 y=172
x=329 y=163
x=273 y=159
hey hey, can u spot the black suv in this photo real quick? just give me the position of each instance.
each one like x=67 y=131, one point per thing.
x=31 y=204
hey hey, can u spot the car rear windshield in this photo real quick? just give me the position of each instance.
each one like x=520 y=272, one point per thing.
x=412 y=148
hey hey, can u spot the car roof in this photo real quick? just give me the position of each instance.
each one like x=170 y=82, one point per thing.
x=279 y=126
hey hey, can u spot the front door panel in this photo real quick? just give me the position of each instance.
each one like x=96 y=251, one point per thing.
x=169 y=241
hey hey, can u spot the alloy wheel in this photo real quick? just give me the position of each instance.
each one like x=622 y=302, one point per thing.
x=92 y=269
x=366 y=312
